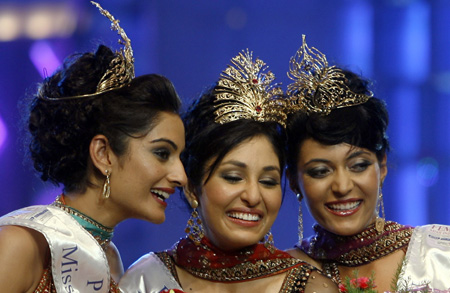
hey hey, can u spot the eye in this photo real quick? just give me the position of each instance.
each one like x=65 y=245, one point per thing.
x=162 y=153
x=269 y=182
x=360 y=166
x=231 y=178
x=318 y=172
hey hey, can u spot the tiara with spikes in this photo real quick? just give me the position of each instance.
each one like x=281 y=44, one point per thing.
x=318 y=87
x=245 y=91
x=121 y=67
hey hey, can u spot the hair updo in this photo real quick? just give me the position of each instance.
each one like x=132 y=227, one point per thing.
x=61 y=131
x=208 y=142
x=362 y=125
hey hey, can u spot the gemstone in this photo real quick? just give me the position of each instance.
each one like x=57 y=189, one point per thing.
x=258 y=109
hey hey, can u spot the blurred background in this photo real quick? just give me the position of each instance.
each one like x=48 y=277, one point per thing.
x=401 y=45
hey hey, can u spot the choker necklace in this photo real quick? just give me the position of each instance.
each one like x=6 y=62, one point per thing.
x=208 y=262
x=100 y=232
x=359 y=249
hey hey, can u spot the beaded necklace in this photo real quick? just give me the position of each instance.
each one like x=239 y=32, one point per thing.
x=100 y=232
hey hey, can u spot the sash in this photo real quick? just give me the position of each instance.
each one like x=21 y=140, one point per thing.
x=78 y=262
x=148 y=275
x=427 y=260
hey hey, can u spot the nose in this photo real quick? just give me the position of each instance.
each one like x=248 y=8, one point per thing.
x=178 y=175
x=251 y=194
x=342 y=183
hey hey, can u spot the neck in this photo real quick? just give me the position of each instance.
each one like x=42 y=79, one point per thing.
x=92 y=204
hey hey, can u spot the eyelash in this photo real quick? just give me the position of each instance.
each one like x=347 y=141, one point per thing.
x=236 y=179
x=162 y=154
x=321 y=172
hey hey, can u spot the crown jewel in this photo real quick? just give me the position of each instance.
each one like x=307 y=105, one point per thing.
x=121 y=67
x=318 y=87
x=245 y=91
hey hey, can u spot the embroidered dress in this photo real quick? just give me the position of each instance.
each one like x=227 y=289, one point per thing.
x=156 y=272
x=427 y=248
x=74 y=251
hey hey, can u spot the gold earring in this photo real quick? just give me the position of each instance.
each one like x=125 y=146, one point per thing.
x=194 y=227
x=268 y=242
x=107 y=185
x=300 y=219
x=379 y=222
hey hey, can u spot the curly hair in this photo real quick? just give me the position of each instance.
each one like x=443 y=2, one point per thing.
x=61 y=131
x=362 y=125
x=207 y=140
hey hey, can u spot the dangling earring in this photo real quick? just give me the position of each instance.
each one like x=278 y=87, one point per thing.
x=107 y=185
x=379 y=222
x=268 y=242
x=194 y=227
x=300 y=219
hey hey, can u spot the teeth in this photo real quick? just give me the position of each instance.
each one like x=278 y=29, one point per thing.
x=344 y=206
x=160 y=193
x=244 y=216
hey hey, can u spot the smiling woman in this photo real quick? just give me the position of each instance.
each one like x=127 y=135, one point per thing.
x=337 y=154
x=234 y=160
x=114 y=142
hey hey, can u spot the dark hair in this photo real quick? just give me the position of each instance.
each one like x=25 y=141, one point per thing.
x=61 y=131
x=207 y=140
x=363 y=125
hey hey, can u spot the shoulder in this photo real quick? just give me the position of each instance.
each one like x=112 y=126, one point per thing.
x=114 y=261
x=299 y=254
x=22 y=251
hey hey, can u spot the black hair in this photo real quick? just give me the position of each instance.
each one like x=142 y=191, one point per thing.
x=362 y=125
x=207 y=140
x=61 y=131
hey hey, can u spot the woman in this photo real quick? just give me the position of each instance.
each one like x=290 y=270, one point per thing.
x=113 y=141
x=337 y=161
x=234 y=160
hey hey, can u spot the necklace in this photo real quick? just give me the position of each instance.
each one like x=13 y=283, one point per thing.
x=208 y=262
x=100 y=232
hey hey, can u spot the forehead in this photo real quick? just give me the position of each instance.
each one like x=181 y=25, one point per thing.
x=168 y=125
x=311 y=148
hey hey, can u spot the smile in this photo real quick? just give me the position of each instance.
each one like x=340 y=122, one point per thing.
x=244 y=216
x=344 y=208
x=160 y=194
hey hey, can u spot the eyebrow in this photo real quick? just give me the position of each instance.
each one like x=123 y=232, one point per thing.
x=165 y=140
x=243 y=165
x=353 y=155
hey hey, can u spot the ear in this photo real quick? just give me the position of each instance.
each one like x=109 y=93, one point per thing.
x=189 y=193
x=383 y=168
x=101 y=154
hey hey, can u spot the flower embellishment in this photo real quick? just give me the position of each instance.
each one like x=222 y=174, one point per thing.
x=357 y=285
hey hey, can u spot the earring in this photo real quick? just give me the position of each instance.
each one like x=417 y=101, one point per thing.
x=268 y=242
x=300 y=219
x=107 y=185
x=379 y=222
x=194 y=227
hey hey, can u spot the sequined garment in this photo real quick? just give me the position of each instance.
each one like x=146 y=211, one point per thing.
x=250 y=264
x=356 y=250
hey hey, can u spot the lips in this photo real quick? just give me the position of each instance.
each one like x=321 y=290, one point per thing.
x=162 y=194
x=344 y=208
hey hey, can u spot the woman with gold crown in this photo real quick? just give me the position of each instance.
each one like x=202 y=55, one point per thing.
x=234 y=160
x=114 y=142
x=337 y=154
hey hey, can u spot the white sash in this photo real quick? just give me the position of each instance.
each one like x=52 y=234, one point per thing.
x=427 y=260
x=79 y=263
x=148 y=275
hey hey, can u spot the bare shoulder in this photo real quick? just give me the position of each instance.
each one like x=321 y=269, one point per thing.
x=298 y=254
x=114 y=261
x=22 y=251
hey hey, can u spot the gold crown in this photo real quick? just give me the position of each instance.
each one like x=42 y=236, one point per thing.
x=245 y=91
x=121 y=67
x=318 y=87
